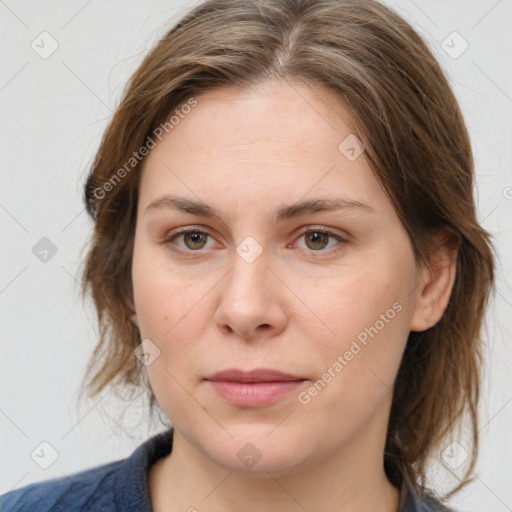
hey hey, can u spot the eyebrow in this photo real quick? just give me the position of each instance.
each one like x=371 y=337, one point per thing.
x=283 y=212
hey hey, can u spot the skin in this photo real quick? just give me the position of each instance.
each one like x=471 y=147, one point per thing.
x=295 y=308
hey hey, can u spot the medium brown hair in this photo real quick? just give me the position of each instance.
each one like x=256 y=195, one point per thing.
x=416 y=143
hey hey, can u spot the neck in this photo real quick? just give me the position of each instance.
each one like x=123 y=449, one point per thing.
x=352 y=479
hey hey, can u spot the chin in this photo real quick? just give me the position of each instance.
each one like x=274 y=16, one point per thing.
x=252 y=451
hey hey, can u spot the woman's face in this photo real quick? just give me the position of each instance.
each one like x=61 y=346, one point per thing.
x=256 y=282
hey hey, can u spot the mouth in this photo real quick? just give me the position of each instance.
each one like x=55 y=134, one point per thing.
x=254 y=388
x=256 y=375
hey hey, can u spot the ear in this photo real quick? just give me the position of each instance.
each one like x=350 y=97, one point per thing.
x=133 y=318
x=436 y=280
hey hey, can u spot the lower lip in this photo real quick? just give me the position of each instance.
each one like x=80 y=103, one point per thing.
x=254 y=394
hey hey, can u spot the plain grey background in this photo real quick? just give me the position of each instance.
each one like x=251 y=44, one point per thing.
x=62 y=69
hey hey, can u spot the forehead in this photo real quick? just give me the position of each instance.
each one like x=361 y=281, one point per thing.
x=279 y=139
x=276 y=111
x=281 y=117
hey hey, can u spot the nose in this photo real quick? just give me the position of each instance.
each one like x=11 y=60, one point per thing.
x=253 y=301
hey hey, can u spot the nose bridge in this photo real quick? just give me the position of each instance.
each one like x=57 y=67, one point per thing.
x=249 y=276
x=249 y=299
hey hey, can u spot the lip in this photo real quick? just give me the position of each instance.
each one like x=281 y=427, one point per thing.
x=256 y=375
x=253 y=388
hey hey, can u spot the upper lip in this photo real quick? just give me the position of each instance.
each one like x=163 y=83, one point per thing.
x=256 y=375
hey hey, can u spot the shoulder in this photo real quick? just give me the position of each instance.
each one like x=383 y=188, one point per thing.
x=432 y=504
x=113 y=487
x=418 y=499
x=91 y=489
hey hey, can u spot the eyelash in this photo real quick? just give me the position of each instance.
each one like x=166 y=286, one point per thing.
x=169 y=241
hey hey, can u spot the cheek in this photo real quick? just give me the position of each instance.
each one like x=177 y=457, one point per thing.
x=169 y=312
x=356 y=299
x=163 y=297
x=367 y=311
x=369 y=338
x=356 y=370
x=173 y=312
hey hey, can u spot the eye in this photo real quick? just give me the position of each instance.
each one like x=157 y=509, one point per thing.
x=317 y=239
x=194 y=240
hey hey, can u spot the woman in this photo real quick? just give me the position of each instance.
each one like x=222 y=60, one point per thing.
x=286 y=256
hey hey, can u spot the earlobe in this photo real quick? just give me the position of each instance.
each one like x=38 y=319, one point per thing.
x=134 y=320
x=437 y=282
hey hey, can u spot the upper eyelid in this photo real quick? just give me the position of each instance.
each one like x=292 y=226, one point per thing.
x=206 y=231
